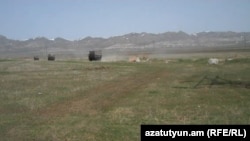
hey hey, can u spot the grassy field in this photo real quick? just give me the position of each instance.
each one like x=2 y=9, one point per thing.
x=77 y=100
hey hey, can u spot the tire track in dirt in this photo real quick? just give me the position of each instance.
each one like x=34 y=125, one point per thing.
x=104 y=96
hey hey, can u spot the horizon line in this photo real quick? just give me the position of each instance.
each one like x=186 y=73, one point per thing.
x=81 y=38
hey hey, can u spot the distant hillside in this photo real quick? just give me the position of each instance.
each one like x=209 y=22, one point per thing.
x=134 y=41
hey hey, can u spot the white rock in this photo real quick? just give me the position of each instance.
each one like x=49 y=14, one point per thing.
x=213 y=61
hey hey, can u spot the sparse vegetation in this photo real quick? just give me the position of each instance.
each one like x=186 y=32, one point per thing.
x=81 y=100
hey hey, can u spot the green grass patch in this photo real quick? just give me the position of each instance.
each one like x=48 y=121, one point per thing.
x=81 y=100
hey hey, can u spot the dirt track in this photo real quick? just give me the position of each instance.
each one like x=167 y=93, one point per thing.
x=104 y=96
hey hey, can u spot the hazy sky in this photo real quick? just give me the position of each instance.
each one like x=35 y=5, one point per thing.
x=74 y=19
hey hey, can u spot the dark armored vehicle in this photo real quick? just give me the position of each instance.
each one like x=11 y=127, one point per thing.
x=36 y=58
x=95 y=55
x=51 y=57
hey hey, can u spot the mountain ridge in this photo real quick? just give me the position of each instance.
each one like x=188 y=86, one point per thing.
x=143 y=40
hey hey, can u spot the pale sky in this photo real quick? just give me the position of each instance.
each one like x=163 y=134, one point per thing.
x=74 y=19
